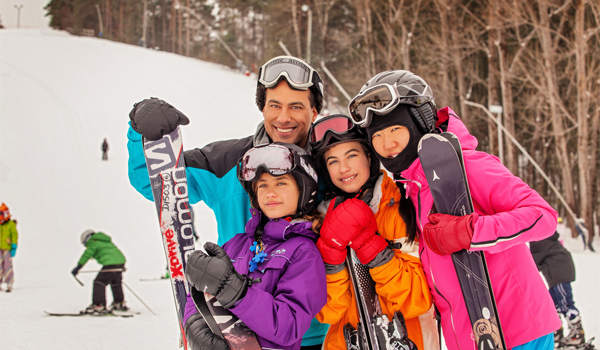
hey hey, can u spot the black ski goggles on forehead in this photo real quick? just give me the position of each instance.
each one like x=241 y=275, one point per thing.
x=298 y=73
x=276 y=160
x=383 y=98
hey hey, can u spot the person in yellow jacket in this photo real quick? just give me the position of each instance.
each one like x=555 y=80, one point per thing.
x=8 y=247
x=350 y=169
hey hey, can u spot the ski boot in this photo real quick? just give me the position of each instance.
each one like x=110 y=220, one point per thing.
x=576 y=336
x=118 y=306
x=558 y=336
x=95 y=310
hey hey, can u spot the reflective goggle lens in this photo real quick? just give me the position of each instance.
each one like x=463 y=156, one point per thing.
x=297 y=71
x=376 y=98
x=277 y=159
x=337 y=124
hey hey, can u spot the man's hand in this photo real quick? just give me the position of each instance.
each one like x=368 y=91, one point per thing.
x=214 y=274
x=154 y=118
x=446 y=234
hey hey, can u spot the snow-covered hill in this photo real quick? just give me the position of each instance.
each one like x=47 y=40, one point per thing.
x=60 y=96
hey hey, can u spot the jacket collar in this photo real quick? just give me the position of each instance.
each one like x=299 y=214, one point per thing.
x=278 y=230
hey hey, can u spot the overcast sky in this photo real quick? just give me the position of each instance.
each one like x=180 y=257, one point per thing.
x=32 y=13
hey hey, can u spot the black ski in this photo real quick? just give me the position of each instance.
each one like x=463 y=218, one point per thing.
x=441 y=158
x=166 y=168
x=374 y=330
x=78 y=314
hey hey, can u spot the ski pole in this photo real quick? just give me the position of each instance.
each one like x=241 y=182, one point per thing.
x=77 y=279
x=109 y=270
x=140 y=299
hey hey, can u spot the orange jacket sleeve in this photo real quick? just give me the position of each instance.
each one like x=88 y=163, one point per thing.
x=339 y=298
x=401 y=283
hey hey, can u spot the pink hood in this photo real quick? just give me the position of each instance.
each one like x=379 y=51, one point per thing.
x=511 y=214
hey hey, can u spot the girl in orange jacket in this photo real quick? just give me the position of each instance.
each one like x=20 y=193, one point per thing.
x=351 y=170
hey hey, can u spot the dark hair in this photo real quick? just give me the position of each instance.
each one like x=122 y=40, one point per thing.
x=408 y=213
x=315 y=99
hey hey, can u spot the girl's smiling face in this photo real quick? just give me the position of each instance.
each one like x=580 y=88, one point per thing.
x=348 y=166
x=391 y=141
x=277 y=195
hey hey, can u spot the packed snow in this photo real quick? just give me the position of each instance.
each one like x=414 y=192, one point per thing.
x=61 y=95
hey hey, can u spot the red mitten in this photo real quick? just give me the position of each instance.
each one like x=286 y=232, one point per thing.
x=368 y=246
x=331 y=255
x=346 y=221
x=352 y=223
x=446 y=234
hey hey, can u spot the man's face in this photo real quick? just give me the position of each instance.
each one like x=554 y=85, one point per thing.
x=288 y=114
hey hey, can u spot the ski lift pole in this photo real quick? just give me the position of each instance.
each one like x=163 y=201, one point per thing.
x=216 y=35
x=526 y=154
x=337 y=84
x=284 y=48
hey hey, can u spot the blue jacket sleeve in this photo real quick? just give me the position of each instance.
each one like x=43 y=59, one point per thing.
x=211 y=176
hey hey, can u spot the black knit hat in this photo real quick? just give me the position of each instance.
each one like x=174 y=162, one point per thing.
x=399 y=116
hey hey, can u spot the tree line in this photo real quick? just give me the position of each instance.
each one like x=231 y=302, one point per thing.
x=537 y=59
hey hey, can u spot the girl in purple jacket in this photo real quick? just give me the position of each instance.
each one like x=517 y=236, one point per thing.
x=272 y=276
x=397 y=108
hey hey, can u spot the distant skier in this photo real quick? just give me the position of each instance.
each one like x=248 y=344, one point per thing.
x=100 y=247
x=105 y=149
x=278 y=246
x=8 y=247
x=557 y=266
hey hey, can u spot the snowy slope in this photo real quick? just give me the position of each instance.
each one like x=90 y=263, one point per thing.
x=60 y=95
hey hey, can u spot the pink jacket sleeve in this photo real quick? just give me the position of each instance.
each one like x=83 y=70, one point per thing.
x=511 y=213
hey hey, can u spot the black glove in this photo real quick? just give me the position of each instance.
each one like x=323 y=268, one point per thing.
x=215 y=275
x=154 y=118
x=76 y=270
x=200 y=337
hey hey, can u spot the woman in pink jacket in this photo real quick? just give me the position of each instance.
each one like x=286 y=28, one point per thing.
x=397 y=108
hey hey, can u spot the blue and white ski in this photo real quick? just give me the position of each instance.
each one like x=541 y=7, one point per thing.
x=166 y=168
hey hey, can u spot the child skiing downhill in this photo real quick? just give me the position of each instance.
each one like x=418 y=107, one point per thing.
x=8 y=247
x=397 y=108
x=350 y=169
x=272 y=276
x=100 y=247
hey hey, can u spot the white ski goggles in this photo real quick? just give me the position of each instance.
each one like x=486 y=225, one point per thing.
x=276 y=160
x=383 y=98
x=298 y=73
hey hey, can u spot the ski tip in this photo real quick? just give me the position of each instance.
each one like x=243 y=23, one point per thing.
x=428 y=137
